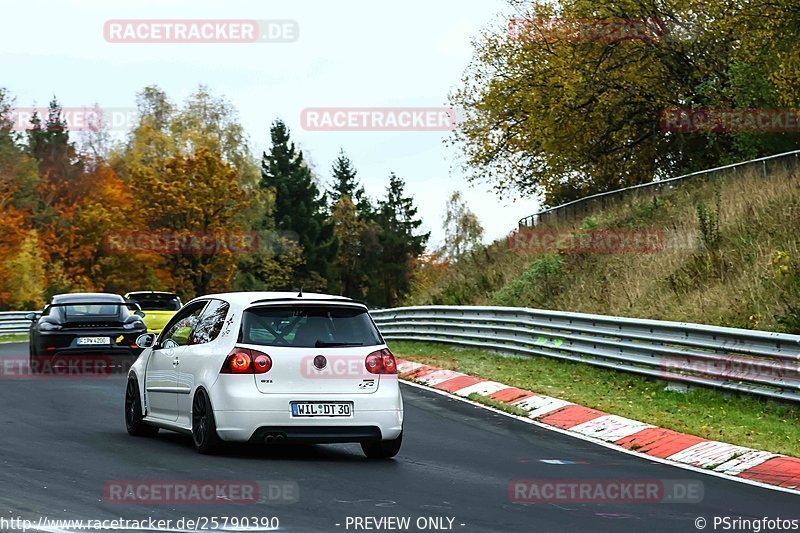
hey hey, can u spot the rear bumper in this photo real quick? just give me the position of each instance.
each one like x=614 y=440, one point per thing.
x=65 y=343
x=112 y=359
x=242 y=413
x=318 y=434
x=242 y=426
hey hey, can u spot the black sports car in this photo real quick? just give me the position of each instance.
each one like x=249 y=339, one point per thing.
x=85 y=331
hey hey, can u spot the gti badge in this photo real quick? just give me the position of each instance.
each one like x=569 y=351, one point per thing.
x=320 y=362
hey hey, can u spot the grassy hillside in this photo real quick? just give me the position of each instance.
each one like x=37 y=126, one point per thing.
x=731 y=257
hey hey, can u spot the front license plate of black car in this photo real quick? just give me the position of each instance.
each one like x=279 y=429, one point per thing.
x=339 y=409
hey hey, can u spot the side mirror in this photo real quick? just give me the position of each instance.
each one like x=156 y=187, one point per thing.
x=146 y=340
x=139 y=313
x=30 y=316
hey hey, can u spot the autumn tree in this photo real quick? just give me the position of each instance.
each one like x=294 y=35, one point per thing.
x=25 y=275
x=568 y=117
x=168 y=139
x=197 y=196
x=66 y=186
x=463 y=230
x=18 y=180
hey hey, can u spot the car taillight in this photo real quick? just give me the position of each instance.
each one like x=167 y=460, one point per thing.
x=261 y=362
x=238 y=362
x=389 y=364
x=381 y=362
x=246 y=361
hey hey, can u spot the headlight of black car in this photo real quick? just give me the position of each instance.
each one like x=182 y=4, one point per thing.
x=138 y=324
x=48 y=326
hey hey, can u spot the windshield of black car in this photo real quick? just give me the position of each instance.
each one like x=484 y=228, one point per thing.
x=157 y=302
x=308 y=326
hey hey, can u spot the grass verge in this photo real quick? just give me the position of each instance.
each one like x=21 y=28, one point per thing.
x=737 y=419
x=13 y=337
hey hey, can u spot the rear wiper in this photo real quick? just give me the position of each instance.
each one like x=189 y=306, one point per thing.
x=322 y=344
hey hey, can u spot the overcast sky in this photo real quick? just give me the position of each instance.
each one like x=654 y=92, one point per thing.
x=348 y=54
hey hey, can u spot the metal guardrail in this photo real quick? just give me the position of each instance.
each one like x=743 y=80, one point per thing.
x=598 y=201
x=756 y=362
x=742 y=360
x=14 y=322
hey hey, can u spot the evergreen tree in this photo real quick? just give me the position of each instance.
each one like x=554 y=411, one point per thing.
x=400 y=242
x=345 y=183
x=299 y=208
x=59 y=165
x=348 y=228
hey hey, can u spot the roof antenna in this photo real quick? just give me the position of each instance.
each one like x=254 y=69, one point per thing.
x=300 y=294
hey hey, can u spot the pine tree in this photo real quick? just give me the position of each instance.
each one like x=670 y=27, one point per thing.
x=345 y=183
x=400 y=242
x=348 y=228
x=299 y=208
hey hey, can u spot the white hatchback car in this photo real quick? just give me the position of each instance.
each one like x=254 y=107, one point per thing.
x=268 y=367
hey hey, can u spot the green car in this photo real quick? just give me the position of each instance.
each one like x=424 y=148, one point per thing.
x=157 y=307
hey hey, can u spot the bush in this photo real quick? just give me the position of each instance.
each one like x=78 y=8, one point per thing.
x=589 y=222
x=708 y=217
x=538 y=285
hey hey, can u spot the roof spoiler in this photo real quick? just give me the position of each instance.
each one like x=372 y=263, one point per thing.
x=305 y=300
x=130 y=305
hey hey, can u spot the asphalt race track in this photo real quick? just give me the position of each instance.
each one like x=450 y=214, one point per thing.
x=63 y=440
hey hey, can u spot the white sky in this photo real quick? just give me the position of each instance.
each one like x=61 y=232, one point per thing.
x=349 y=53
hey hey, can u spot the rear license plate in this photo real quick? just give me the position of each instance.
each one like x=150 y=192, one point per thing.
x=341 y=409
x=94 y=341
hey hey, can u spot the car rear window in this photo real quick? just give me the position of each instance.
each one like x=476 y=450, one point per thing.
x=308 y=327
x=84 y=310
x=157 y=302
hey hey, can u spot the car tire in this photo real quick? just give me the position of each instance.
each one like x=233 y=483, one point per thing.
x=134 y=419
x=34 y=364
x=204 y=428
x=384 y=449
x=34 y=361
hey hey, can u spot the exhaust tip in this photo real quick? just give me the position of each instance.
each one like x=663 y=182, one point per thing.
x=274 y=437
